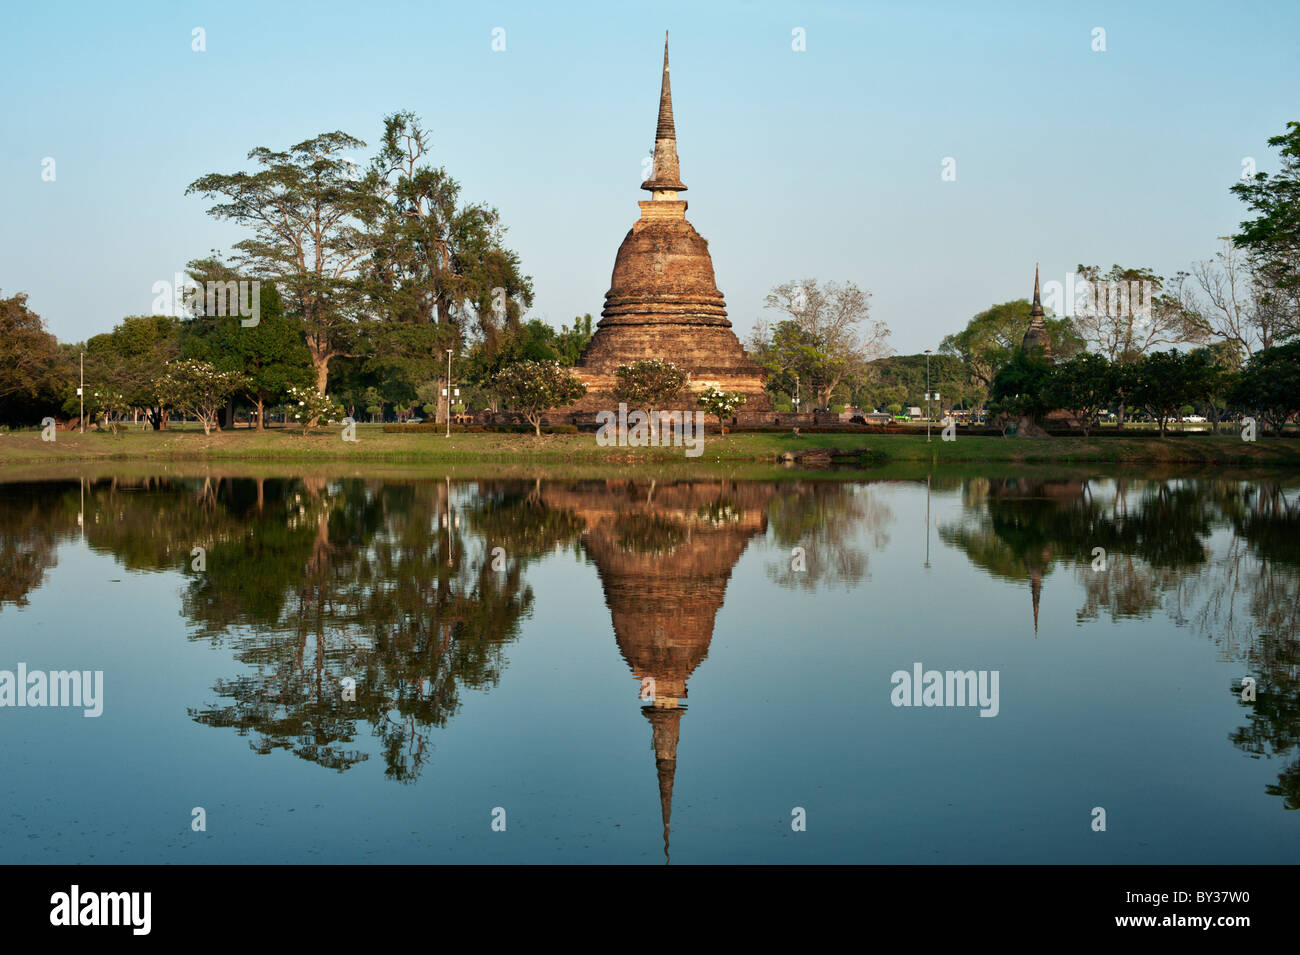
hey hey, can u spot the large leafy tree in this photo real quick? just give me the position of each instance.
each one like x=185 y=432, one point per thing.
x=1129 y=314
x=826 y=335
x=271 y=355
x=571 y=342
x=32 y=368
x=128 y=360
x=903 y=378
x=1272 y=237
x=1082 y=385
x=788 y=356
x=312 y=217
x=408 y=357
x=1022 y=387
x=532 y=341
x=1269 y=386
x=1166 y=381
x=1217 y=368
x=992 y=337
x=440 y=269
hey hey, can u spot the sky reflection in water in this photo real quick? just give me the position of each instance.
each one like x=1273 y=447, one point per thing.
x=514 y=678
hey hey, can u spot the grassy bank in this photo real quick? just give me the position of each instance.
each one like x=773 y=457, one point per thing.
x=510 y=453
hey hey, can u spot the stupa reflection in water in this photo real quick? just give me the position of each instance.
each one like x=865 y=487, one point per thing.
x=664 y=555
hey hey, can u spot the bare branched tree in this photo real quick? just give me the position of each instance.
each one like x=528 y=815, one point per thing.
x=836 y=336
x=1126 y=313
x=1230 y=301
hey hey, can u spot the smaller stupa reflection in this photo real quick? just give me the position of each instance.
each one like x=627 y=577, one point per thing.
x=1017 y=506
x=664 y=554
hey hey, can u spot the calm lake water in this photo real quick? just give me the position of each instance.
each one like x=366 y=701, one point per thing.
x=619 y=671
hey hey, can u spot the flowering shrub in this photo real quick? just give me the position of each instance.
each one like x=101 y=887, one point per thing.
x=197 y=388
x=309 y=407
x=530 y=387
x=722 y=404
x=106 y=406
x=649 y=385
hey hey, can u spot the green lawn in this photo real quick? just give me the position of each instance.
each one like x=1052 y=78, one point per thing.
x=511 y=452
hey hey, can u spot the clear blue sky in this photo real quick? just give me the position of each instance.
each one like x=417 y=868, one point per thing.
x=824 y=163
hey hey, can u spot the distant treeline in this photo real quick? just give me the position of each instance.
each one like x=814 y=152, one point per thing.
x=373 y=284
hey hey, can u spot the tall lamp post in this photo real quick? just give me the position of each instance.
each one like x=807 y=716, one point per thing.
x=81 y=394
x=447 y=392
x=927 y=396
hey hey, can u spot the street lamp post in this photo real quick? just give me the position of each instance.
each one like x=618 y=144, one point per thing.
x=448 y=392
x=81 y=394
x=927 y=396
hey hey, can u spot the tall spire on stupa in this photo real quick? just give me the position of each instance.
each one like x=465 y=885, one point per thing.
x=666 y=722
x=665 y=178
x=665 y=128
x=1036 y=336
x=1038 y=566
x=1036 y=590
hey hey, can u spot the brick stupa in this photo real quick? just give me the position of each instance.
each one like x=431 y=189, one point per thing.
x=1036 y=337
x=663 y=301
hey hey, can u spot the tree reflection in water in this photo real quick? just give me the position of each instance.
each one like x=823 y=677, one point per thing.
x=827 y=520
x=1244 y=593
x=311 y=581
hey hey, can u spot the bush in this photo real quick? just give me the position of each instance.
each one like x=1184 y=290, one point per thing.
x=1269 y=387
x=309 y=407
x=1020 y=388
x=649 y=384
x=721 y=404
x=530 y=387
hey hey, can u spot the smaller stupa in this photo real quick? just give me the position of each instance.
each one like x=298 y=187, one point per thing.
x=1036 y=338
